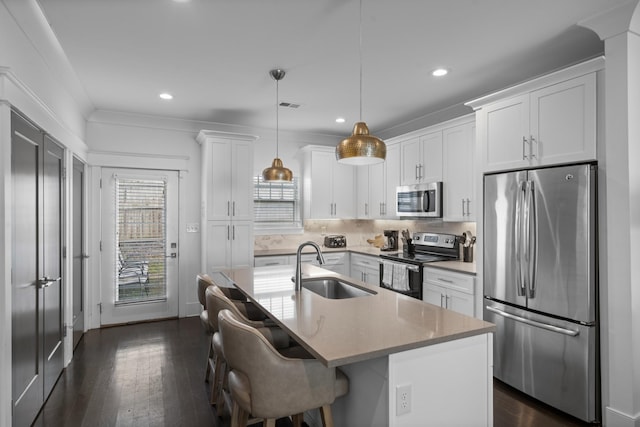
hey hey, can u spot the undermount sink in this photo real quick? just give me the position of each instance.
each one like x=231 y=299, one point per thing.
x=332 y=288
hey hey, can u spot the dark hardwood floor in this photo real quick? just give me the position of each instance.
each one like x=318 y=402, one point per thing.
x=152 y=374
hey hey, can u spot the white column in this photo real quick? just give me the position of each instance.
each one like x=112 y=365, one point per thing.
x=620 y=216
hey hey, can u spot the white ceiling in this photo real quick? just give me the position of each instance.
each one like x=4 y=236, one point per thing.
x=214 y=55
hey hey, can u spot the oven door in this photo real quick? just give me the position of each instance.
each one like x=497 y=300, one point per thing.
x=401 y=277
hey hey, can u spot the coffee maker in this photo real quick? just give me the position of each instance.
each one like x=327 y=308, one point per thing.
x=390 y=240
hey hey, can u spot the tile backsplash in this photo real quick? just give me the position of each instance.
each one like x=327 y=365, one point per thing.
x=357 y=231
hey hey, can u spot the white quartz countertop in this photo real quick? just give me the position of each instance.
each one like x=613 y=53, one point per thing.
x=457 y=266
x=344 y=331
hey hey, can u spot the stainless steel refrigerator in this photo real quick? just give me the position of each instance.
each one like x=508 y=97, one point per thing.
x=540 y=284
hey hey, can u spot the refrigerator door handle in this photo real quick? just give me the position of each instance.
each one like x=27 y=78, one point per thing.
x=520 y=283
x=532 y=237
x=552 y=328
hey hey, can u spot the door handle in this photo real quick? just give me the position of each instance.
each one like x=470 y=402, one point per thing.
x=45 y=282
x=541 y=325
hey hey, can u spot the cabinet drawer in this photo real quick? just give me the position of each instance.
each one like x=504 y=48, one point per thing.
x=450 y=280
x=366 y=260
x=261 y=261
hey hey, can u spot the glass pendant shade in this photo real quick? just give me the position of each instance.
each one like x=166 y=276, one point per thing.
x=361 y=148
x=277 y=172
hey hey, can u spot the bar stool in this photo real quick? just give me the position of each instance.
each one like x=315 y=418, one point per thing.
x=217 y=301
x=265 y=384
x=203 y=281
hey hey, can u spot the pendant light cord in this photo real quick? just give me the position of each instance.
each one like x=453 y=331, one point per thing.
x=360 y=55
x=277 y=119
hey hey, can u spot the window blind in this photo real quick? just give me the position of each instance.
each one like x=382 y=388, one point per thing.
x=140 y=239
x=276 y=203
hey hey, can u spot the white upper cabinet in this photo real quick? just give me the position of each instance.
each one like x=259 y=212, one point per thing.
x=376 y=186
x=421 y=159
x=458 y=146
x=229 y=180
x=328 y=187
x=551 y=120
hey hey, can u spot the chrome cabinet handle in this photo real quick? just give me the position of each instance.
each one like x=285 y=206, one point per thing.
x=234 y=208
x=541 y=325
x=420 y=175
x=524 y=143
x=532 y=140
x=463 y=214
x=445 y=280
x=417 y=175
x=441 y=298
x=447 y=300
x=366 y=209
x=228 y=208
x=468 y=210
x=228 y=232
x=234 y=232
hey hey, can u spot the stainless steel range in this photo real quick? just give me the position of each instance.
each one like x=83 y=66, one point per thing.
x=403 y=271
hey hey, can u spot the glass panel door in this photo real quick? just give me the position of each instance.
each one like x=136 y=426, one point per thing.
x=140 y=245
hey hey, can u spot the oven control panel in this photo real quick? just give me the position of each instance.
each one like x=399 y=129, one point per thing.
x=435 y=239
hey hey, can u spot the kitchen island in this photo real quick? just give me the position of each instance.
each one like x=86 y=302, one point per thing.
x=389 y=345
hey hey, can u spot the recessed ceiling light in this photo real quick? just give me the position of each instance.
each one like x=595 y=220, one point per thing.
x=166 y=96
x=340 y=120
x=439 y=72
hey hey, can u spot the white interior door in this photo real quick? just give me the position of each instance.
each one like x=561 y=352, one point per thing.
x=139 y=264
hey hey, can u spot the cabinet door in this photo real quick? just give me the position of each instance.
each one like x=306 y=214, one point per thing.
x=506 y=132
x=458 y=149
x=218 y=245
x=460 y=302
x=431 y=170
x=219 y=177
x=411 y=159
x=322 y=185
x=242 y=181
x=343 y=189
x=392 y=180
x=363 y=207
x=433 y=294
x=377 y=190
x=563 y=121
x=241 y=237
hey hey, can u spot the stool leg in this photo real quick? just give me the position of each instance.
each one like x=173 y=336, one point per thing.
x=216 y=384
x=327 y=418
x=209 y=357
x=271 y=422
x=239 y=416
x=297 y=420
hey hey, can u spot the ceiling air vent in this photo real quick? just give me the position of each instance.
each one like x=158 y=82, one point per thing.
x=289 y=105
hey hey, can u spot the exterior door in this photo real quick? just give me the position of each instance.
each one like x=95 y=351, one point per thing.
x=139 y=273
x=78 y=250
x=37 y=328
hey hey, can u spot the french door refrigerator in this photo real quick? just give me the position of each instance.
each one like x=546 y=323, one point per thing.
x=540 y=284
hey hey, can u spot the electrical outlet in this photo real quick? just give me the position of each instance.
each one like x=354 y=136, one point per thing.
x=403 y=399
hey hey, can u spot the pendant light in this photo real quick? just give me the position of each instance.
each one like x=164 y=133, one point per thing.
x=361 y=148
x=277 y=172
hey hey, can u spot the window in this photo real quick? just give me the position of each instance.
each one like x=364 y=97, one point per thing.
x=276 y=206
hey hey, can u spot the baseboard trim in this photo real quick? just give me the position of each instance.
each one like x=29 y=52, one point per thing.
x=615 y=418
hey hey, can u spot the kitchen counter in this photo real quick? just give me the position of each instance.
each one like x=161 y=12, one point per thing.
x=456 y=266
x=338 y=332
x=383 y=341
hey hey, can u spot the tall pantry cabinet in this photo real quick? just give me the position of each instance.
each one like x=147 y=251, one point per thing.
x=226 y=217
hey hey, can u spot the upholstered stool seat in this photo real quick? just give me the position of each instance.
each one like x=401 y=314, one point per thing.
x=265 y=384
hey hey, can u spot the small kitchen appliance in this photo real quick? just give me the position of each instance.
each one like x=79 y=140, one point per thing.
x=390 y=240
x=335 y=241
x=403 y=271
x=419 y=200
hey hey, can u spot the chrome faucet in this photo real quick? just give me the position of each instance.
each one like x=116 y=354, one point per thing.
x=298 y=280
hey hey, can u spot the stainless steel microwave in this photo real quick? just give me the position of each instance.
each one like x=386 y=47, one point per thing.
x=419 y=200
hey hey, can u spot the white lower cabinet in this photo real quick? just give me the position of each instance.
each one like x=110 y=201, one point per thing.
x=365 y=268
x=450 y=290
x=228 y=245
x=334 y=261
